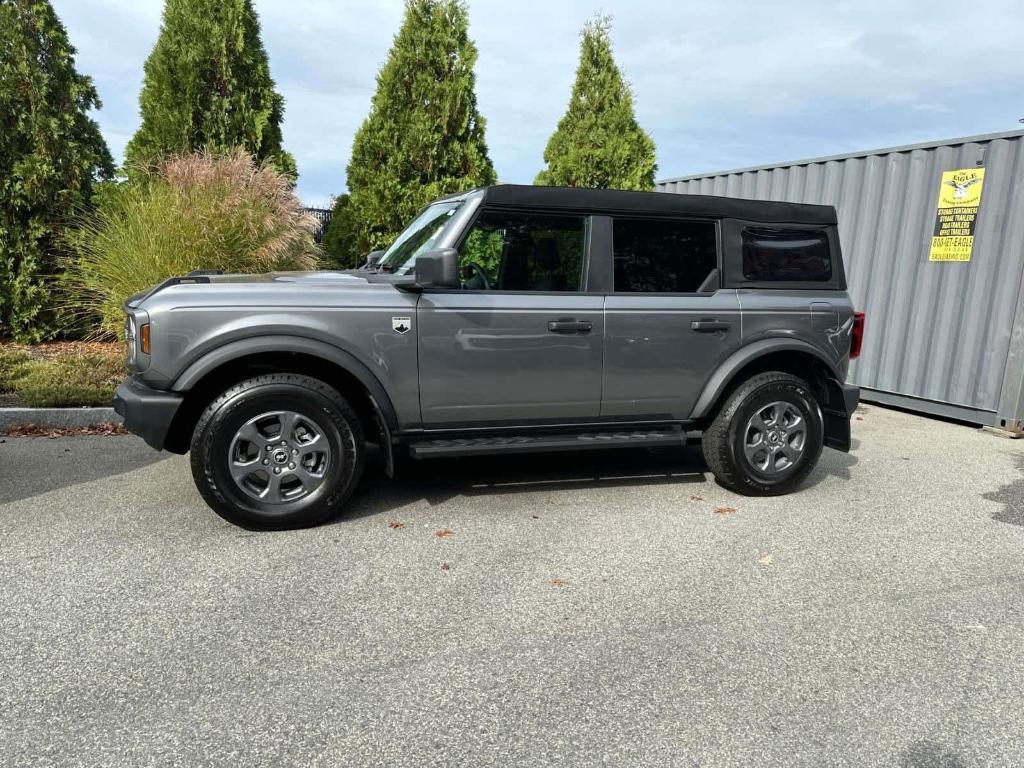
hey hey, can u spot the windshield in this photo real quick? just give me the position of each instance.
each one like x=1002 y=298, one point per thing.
x=418 y=237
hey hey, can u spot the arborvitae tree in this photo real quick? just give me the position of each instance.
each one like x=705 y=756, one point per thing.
x=208 y=87
x=424 y=136
x=51 y=152
x=598 y=142
x=340 y=244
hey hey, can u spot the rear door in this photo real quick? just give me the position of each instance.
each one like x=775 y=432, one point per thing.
x=520 y=342
x=668 y=322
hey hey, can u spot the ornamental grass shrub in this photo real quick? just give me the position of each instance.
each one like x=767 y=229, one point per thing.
x=195 y=211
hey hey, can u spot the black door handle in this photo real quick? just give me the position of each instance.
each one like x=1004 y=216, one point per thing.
x=569 y=325
x=709 y=326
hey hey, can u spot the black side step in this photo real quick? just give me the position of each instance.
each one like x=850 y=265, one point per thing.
x=540 y=443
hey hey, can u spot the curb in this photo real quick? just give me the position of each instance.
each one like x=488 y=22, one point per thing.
x=57 y=418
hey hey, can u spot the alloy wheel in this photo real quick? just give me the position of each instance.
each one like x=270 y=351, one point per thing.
x=774 y=438
x=279 y=457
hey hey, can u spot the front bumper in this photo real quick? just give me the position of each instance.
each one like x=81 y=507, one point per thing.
x=147 y=412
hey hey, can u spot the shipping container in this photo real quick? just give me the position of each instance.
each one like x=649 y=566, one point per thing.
x=942 y=337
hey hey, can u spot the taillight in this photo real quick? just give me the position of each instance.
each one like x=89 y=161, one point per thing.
x=857 y=335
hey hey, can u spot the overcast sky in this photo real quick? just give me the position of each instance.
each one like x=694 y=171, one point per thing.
x=719 y=83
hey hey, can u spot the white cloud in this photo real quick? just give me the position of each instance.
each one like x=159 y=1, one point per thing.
x=718 y=84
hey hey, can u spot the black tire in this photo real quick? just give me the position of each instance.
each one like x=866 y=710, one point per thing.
x=726 y=437
x=321 y=407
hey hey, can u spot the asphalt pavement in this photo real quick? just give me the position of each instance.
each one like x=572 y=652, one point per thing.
x=605 y=609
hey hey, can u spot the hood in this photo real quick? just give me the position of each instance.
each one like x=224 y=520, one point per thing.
x=235 y=283
x=348 y=277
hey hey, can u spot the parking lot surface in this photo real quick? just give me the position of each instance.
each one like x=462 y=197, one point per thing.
x=616 y=609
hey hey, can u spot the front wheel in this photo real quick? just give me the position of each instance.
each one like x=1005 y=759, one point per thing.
x=767 y=437
x=278 y=451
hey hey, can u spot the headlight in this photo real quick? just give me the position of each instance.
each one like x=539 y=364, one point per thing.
x=136 y=340
x=129 y=340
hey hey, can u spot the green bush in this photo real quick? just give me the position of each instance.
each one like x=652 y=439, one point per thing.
x=598 y=142
x=13 y=363
x=341 y=240
x=88 y=379
x=51 y=152
x=189 y=212
x=424 y=136
x=207 y=85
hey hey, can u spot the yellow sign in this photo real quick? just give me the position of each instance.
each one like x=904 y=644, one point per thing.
x=955 y=215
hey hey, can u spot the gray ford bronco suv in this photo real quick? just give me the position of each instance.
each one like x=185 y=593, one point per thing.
x=504 y=320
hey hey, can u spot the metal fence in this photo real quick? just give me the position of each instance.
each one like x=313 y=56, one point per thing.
x=323 y=218
x=941 y=337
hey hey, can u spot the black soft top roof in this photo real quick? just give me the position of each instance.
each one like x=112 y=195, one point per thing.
x=653 y=203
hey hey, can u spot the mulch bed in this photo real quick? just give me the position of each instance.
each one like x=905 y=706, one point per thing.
x=52 y=349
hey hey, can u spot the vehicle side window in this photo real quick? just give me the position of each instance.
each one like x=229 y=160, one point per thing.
x=506 y=251
x=786 y=255
x=656 y=256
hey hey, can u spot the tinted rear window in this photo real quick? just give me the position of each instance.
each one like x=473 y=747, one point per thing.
x=786 y=255
x=654 y=256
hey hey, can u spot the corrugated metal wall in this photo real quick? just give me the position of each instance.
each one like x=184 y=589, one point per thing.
x=936 y=331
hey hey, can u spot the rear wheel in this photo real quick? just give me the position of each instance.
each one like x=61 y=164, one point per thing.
x=767 y=437
x=278 y=451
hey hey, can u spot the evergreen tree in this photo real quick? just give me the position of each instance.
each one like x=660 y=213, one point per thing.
x=51 y=152
x=208 y=87
x=341 y=248
x=424 y=136
x=598 y=142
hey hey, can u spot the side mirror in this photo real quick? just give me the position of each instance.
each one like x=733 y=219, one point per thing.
x=372 y=259
x=438 y=269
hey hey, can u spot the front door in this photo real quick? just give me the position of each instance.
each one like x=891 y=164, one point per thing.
x=520 y=342
x=668 y=324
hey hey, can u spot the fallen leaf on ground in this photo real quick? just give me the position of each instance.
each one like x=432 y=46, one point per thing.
x=445 y=567
x=396 y=524
x=444 y=533
x=696 y=498
x=34 y=430
x=535 y=517
x=723 y=511
x=765 y=559
x=859 y=418
x=558 y=583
